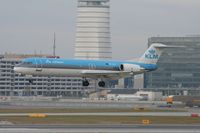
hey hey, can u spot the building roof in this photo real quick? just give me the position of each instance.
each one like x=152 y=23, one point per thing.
x=122 y=91
x=20 y=56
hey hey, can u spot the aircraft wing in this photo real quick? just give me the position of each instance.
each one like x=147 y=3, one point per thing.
x=106 y=74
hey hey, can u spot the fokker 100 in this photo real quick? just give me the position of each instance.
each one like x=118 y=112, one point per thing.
x=97 y=69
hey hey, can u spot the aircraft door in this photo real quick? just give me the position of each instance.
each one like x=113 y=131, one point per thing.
x=92 y=66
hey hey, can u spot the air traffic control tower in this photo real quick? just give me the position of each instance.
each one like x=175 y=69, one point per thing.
x=93 y=30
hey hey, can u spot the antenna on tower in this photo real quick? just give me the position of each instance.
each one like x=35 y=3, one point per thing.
x=54 y=45
x=54 y=48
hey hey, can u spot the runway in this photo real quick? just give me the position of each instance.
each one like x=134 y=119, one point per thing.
x=100 y=129
x=108 y=114
x=34 y=102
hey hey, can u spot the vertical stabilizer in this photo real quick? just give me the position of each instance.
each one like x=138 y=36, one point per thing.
x=152 y=54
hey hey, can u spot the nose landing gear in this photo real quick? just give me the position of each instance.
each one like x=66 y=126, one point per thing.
x=30 y=81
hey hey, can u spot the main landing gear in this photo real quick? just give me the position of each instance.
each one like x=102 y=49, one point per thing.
x=102 y=84
x=85 y=82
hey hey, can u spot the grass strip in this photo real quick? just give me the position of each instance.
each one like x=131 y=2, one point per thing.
x=102 y=120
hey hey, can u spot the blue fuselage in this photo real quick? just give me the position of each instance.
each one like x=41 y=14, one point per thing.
x=81 y=64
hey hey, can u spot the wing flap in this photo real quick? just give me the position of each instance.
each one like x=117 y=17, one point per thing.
x=106 y=74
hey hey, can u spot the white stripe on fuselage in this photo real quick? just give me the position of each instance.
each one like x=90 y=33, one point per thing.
x=54 y=72
x=50 y=72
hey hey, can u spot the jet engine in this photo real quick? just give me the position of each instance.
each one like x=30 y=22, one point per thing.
x=130 y=67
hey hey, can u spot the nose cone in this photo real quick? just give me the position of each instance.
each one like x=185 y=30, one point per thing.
x=17 y=69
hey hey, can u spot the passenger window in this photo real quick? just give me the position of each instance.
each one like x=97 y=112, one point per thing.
x=26 y=63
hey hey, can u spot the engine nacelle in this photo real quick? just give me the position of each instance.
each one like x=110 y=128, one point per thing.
x=130 y=67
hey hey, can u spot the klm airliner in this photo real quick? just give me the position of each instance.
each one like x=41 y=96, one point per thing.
x=97 y=69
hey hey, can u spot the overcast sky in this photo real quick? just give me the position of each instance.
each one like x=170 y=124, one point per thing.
x=27 y=26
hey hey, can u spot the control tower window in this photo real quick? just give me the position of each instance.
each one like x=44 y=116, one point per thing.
x=93 y=3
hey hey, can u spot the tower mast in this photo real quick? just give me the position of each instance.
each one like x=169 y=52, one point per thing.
x=54 y=45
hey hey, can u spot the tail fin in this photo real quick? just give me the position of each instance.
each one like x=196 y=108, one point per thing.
x=152 y=54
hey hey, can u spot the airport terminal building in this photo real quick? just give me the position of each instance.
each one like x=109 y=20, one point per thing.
x=178 y=68
x=12 y=84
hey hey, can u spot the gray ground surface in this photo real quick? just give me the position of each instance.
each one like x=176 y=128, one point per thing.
x=101 y=129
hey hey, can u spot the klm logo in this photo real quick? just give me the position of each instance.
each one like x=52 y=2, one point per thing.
x=151 y=54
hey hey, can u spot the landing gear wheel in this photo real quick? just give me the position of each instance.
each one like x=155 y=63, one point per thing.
x=85 y=83
x=101 y=84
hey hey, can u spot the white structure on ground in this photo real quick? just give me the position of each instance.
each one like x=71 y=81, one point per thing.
x=150 y=96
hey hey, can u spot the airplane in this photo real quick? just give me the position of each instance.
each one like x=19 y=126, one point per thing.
x=96 y=69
